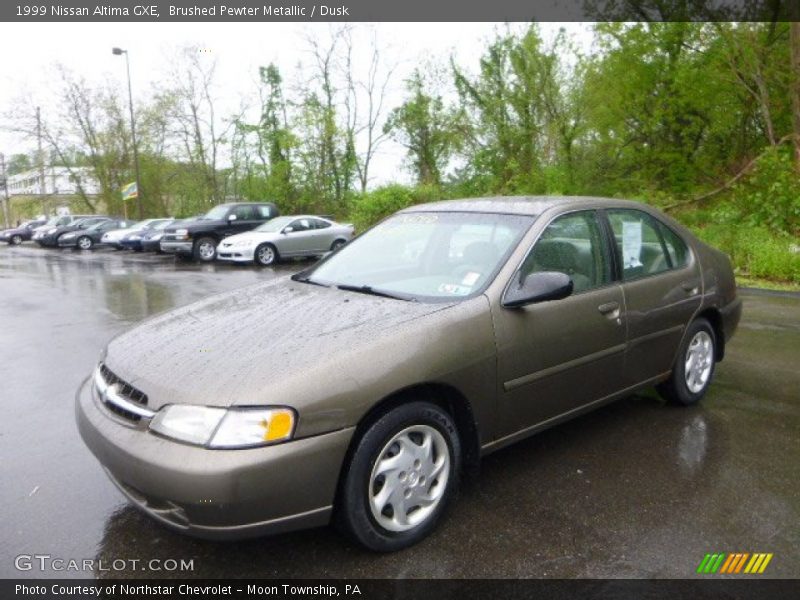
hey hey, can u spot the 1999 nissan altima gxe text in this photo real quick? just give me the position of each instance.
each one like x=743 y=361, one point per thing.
x=358 y=390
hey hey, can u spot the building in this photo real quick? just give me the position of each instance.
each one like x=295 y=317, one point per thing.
x=57 y=181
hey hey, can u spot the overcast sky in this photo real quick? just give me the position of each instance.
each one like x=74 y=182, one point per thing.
x=31 y=51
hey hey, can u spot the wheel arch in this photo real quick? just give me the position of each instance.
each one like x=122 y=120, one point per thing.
x=714 y=317
x=443 y=395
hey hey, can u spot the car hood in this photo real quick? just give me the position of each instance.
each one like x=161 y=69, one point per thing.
x=116 y=234
x=234 y=347
x=191 y=224
x=252 y=237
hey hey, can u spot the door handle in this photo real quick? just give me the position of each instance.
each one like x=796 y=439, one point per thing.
x=608 y=307
x=689 y=287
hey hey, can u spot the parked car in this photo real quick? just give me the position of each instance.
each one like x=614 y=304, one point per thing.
x=89 y=237
x=53 y=222
x=198 y=237
x=285 y=237
x=115 y=237
x=17 y=235
x=359 y=389
x=147 y=239
x=49 y=237
x=151 y=239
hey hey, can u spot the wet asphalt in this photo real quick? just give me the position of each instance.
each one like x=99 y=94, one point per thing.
x=635 y=489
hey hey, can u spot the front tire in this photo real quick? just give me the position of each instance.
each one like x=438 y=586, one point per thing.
x=85 y=243
x=404 y=470
x=694 y=366
x=266 y=255
x=205 y=249
x=16 y=240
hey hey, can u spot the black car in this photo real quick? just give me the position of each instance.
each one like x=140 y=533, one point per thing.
x=198 y=237
x=86 y=238
x=24 y=232
x=51 y=236
x=152 y=232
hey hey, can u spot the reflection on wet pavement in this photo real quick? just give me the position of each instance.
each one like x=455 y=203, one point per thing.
x=635 y=489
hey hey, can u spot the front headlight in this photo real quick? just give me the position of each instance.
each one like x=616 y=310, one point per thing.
x=52 y=230
x=182 y=234
x=134 y=237
x=224 y=428
x=156 y=238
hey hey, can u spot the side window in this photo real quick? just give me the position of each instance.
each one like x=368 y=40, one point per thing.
x=640 y=248
x=263 y=212
x=300 y=225
x=676 y=247
x=572 y=244
x=243 y=213
x=320 y=224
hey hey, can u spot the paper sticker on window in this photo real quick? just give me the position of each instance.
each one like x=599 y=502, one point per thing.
x=470 y=278
x=631 y=244
x=454 y=289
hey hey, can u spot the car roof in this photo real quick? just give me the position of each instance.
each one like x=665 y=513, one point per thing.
x=520 y=205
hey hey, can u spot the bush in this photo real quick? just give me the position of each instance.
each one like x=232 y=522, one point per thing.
x=370 y=207
x=756 y=251
x=770 y=194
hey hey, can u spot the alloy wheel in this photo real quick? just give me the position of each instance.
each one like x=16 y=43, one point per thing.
x=699 y=361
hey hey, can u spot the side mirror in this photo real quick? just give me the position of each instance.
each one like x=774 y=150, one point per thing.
x=538 y=287
x=288 y=230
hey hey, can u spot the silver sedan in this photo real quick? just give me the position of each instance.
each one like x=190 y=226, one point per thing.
x=285 y=237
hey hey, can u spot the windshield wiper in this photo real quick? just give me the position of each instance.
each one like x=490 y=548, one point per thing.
x=307 y=279
x=366 y=289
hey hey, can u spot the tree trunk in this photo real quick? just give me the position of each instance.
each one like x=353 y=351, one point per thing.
x=794 y=40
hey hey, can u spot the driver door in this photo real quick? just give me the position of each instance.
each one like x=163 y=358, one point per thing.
x=554 y=357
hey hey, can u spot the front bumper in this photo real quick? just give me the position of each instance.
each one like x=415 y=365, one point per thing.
x=175 y=247
x=129 y=245
x=215 y=494
x=234 y=254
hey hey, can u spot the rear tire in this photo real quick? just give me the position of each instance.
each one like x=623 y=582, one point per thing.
x=403 y=472
x=205 y=249
x=84 y=243
x=694 y=366
x=337 y=244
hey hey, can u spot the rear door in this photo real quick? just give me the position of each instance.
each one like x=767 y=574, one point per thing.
x=554 y=357
x=662 y=285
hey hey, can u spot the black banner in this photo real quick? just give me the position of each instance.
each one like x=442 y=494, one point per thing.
x=410 y=589
x=395 y=10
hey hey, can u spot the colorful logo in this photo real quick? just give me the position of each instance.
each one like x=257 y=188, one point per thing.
x=734 y=562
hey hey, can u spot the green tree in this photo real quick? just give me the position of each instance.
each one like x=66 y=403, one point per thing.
x=427 y=129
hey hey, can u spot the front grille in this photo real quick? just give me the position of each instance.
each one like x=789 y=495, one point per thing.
x=126 y=390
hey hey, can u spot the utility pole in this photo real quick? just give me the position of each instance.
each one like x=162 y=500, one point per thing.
x=118 y=52
x=5 y=189
x=45 y=212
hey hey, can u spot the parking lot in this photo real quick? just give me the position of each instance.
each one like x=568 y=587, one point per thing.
x=635 y=489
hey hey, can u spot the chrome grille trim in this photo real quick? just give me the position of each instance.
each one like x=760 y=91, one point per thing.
x=119 y=396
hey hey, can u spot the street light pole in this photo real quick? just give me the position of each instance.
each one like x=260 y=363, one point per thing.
x=117 y=52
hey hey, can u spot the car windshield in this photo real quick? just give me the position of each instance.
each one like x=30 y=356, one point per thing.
x=424 y=256
x=216 y=214
x=275 y=224
x=94 y=226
